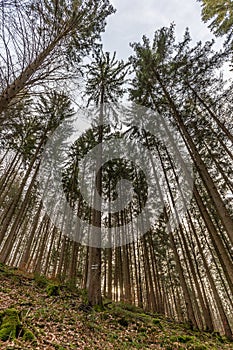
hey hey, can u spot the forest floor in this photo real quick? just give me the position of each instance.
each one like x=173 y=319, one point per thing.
x=47 y=316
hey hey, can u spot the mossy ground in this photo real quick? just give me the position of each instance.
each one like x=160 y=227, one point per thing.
x=9 y=324
x=60 y=322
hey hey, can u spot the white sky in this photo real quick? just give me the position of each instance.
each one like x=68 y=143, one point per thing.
x=135 y=18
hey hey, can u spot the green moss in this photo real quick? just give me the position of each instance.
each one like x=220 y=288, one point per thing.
x=59 y=347
x=98 y=308
x=130 y=307
x=28 y=336
x=182 y=338
x=53 y=290
x=113 y=336
x=142 y=329
x=40 y=280
x=10 y=324
x=222 y=339
x=157 y=322
x=199 y=347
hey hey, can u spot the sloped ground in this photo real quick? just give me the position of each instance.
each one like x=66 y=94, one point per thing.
x=61 y=321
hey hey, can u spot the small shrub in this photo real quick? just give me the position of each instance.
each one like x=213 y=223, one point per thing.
x=83 y=295
x=142 y=329
x=104 y=316
x=85 y=308
x=123 y=322
x=53 y=290
x=40 y=280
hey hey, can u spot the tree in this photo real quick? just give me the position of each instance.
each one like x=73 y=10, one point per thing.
x=176 y=81
x=105 y=79
x=51 y=110
x=46 y=38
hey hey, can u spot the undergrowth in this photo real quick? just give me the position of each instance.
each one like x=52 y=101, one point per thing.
x=38 y=313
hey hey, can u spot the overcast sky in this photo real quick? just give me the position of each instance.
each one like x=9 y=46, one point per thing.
x=135 y=18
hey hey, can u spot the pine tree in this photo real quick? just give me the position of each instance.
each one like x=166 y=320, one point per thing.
x=43 y=35
x=105 y=81
x=177 y=81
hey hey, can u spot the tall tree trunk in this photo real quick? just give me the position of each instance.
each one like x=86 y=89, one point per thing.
x=94 y=265
x=204 y=174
